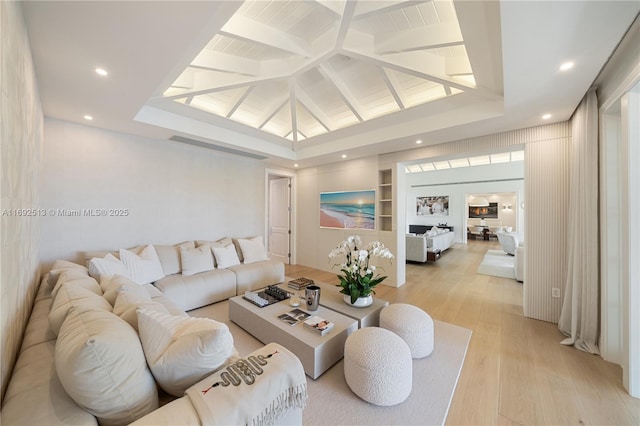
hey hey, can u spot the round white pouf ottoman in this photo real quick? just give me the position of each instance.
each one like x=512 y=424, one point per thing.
x=411 y=323
x=378 y=366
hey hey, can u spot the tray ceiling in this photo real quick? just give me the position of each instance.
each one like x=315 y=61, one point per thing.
x=300 y=69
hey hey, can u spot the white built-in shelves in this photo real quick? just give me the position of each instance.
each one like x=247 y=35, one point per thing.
x=385 y=200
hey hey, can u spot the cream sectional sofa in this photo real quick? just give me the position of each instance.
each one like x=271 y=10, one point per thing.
x=82 y=350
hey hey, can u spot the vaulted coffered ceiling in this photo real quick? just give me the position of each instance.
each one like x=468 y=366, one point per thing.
x=310 y=81
x=300 y=69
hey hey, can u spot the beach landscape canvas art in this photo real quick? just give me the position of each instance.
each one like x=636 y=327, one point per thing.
x=348 y=209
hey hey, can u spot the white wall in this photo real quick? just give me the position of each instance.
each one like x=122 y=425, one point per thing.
x=461 y=182
x=173 y=192
x=620 y=286
x=21 y=158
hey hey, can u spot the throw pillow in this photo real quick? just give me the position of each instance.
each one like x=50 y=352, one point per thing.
x=60 y=266
x=222 y=242
x=128 y=302
x=71 y=296
x=226 y=256
x=106 y=267
x=170 y=257
x=101 y=365
x=112 y=286
x=144 y=268
x=252 y=249
x=78 y=278
x=238 y=249
x=195 y=260
x=183 y=350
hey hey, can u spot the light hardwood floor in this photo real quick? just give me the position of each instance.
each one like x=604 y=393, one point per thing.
x=516 y=372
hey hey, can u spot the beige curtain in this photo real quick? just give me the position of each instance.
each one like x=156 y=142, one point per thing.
x=580 y=317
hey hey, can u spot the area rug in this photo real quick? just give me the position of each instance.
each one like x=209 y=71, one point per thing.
x=498 y=264
x=331 y=402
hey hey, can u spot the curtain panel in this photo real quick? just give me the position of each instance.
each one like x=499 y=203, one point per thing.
x=580 y=316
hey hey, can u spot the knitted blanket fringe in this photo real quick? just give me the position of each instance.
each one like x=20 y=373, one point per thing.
x=293 y=398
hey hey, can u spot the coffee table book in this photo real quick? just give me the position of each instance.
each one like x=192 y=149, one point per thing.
x=318 y=324
x=300 y=283
x=288 y=319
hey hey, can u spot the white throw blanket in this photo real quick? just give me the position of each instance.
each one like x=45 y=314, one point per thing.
x=226 y=398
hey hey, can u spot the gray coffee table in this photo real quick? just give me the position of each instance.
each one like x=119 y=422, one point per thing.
x=331 y=298
x=317 y=353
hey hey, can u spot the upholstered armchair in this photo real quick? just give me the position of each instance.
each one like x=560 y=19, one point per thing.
x=508 y=241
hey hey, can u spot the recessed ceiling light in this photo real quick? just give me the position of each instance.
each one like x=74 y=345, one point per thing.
x=102 y=72
x=566 y=66
x=418 y=141
x=295 y=165
x=88 y=117
x=344 y=155
x=546 y=116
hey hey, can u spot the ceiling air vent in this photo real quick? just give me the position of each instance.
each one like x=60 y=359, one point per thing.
x=206 y=145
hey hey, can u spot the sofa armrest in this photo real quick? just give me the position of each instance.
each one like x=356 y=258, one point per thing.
x=416 y=248
x=286 y=370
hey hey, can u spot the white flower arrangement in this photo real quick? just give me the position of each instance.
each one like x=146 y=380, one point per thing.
x=357 y=279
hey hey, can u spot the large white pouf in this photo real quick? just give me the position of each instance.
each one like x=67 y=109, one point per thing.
x=411 y=323
x=378 y=366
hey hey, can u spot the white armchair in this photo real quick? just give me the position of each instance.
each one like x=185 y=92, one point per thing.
x=509 y=242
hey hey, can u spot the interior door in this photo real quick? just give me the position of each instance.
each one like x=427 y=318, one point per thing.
x=280 y=219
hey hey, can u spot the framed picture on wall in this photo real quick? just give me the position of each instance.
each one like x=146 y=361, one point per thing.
x=489 y=212
x=432 y=206
x=348 y=209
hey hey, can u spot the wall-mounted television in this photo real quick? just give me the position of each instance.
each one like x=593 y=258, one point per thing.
x=489 y=212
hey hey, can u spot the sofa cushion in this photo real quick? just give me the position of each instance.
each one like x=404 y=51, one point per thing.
x=71 y=296
x=169 y=256
x=252 y=276
x=252 y=249
x=107 y=266
x=145 y=267
x=38 y=330
x=63 y=265
x=183 y=350
x=195 y=291
x=196 y=260
x=78 y=279
x=101 y=365
x=222 y=242
x=112 y=286
x=226 y=256
x=35 y=395
x=128 y=302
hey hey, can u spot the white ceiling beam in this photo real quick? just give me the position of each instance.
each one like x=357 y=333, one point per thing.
x=432 y=36
x=272 y=111
x=315 y=111
x=294 y=115
x=343 y=90
x=208 y=59
x=345 y=22
x=394 y=87
x=418 y=64
x=240 y=100
x=367 y=9
x=246 y=29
